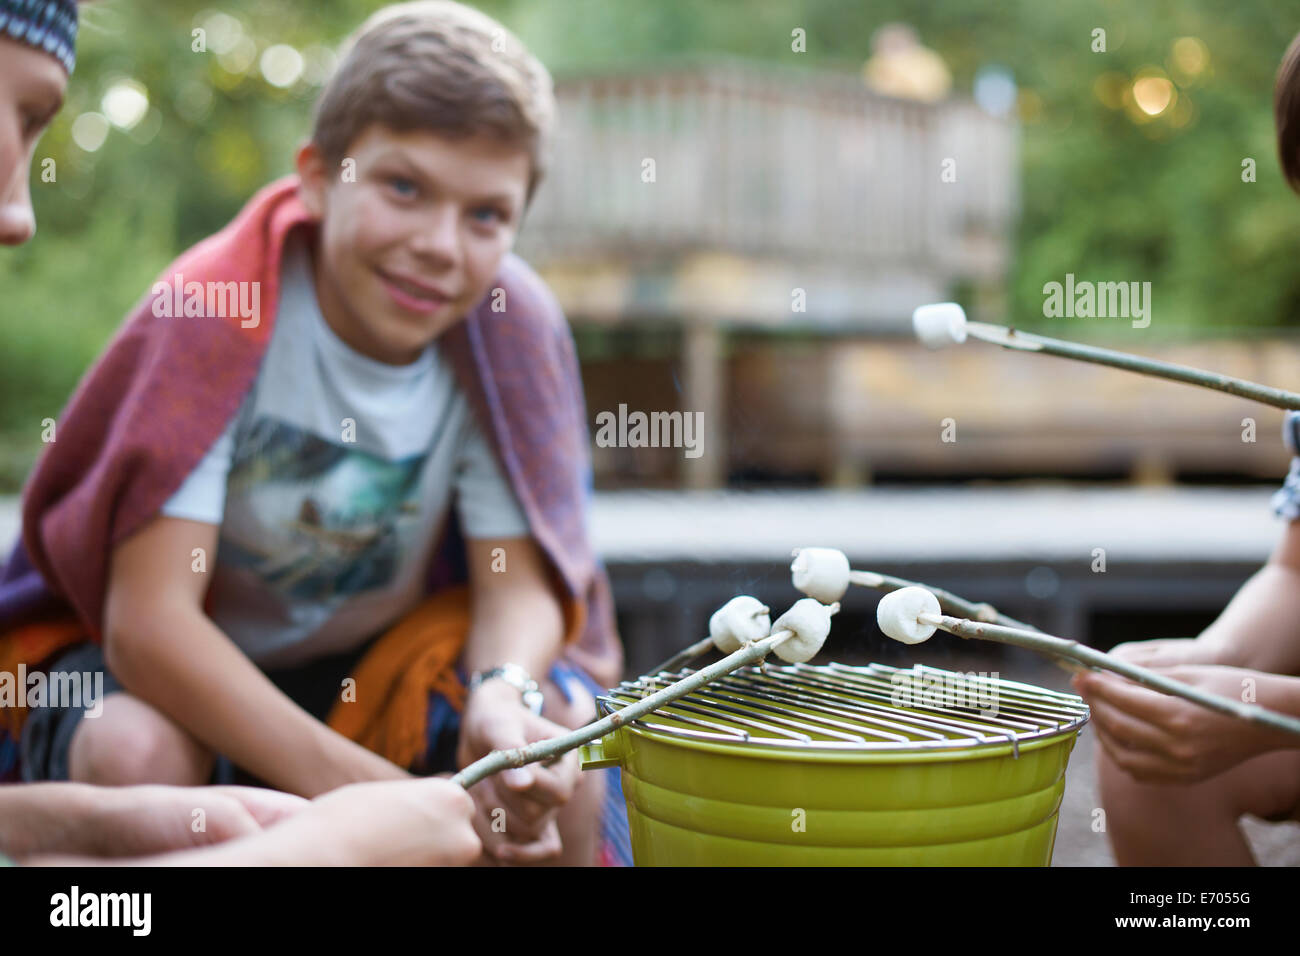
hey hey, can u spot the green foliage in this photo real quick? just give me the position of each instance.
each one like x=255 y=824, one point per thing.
x=1104 y=196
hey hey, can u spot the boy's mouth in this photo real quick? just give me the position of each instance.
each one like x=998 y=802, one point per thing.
x=413 y=294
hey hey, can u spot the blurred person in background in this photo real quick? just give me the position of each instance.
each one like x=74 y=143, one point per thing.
x=1175 y=778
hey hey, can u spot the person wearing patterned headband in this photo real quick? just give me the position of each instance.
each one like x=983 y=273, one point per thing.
x=38 y=40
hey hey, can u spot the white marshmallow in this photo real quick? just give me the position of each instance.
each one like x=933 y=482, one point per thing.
x=810 y=620
x=940 y=324
x=740 y=621
x=898 y=611
x=821 y=573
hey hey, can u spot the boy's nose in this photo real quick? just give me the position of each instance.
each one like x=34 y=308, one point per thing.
x=440 y=237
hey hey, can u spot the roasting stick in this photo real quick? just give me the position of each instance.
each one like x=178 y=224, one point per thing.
x=949 y=602
x=824 y=573
x=807 y=630
x=741 y=620
x=911 y=615
x=945 y=323
x=684 y=656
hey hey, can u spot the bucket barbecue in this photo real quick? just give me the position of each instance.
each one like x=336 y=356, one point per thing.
x=799 y=765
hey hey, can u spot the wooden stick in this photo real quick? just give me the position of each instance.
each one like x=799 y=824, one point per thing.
x=951 y=603
x=1028 y=342
x=500 y=760
x=1047 y=644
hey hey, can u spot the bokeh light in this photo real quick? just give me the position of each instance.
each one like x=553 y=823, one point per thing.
x=239 y=58
x=1153 y=92
x=89 y=130
x=1190 y=57
x=222 y=31
x=282 y=65
x=125 y=103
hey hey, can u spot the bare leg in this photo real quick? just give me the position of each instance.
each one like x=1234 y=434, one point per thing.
x=1196 y=824
x=132 y=743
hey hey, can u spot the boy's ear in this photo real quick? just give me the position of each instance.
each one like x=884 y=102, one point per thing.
x=312 y=178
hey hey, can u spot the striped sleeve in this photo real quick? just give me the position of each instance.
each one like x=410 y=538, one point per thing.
x=1286 y=500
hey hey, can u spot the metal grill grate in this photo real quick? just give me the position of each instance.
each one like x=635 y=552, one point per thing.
x=840 y=707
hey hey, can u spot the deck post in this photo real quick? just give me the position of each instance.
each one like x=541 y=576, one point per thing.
x=703 y=384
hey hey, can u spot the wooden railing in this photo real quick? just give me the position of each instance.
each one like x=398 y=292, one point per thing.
x=789 y=164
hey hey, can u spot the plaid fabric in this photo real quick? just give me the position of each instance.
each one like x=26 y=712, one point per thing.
x=1286 y=500
x=48 y=25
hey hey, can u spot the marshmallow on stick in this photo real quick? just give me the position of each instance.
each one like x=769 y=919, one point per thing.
x=740 y=621
x=809 y=622
x=940 y=324
x=944 y=323
x=821 y=573
x=899 y=613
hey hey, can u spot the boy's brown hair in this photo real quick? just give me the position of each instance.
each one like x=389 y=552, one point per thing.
x=1286 y=112
x=440 y=66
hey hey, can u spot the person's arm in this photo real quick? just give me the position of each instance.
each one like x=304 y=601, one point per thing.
x=422 y=822
x=1260 y=627
x=166 y=651
x=46 y=818
x=517 y=619
x=81 y=819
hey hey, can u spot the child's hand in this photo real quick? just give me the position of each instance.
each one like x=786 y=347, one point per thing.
x=1157 y=738
x=425 y=821
x=517 y=808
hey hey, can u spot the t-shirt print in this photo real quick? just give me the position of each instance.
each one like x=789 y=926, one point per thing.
x=316 y=520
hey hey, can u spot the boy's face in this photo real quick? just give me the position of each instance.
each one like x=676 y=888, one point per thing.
x=411 y=235
x=31 y=91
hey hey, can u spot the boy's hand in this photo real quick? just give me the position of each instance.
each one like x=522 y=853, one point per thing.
x=517 y=808
x=1157 y=738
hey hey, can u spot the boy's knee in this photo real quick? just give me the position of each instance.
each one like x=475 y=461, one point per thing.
x=132 y=743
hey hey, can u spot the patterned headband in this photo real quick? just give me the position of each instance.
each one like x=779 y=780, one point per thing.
x=47 y=25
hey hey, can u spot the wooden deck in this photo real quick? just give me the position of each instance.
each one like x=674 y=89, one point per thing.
x=709 y=189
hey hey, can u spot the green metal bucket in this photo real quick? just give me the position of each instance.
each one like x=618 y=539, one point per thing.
x=832 y=766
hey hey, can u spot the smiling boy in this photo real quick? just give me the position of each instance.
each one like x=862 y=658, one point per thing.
x=261 y=526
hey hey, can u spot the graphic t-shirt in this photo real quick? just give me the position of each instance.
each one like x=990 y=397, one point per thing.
x=331 y=485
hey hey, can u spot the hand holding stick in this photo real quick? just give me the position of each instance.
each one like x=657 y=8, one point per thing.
x=911 y=615
x=799 y=633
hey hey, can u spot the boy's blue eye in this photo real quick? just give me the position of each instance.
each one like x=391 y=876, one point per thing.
x=487 y=213
x=402 y=185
